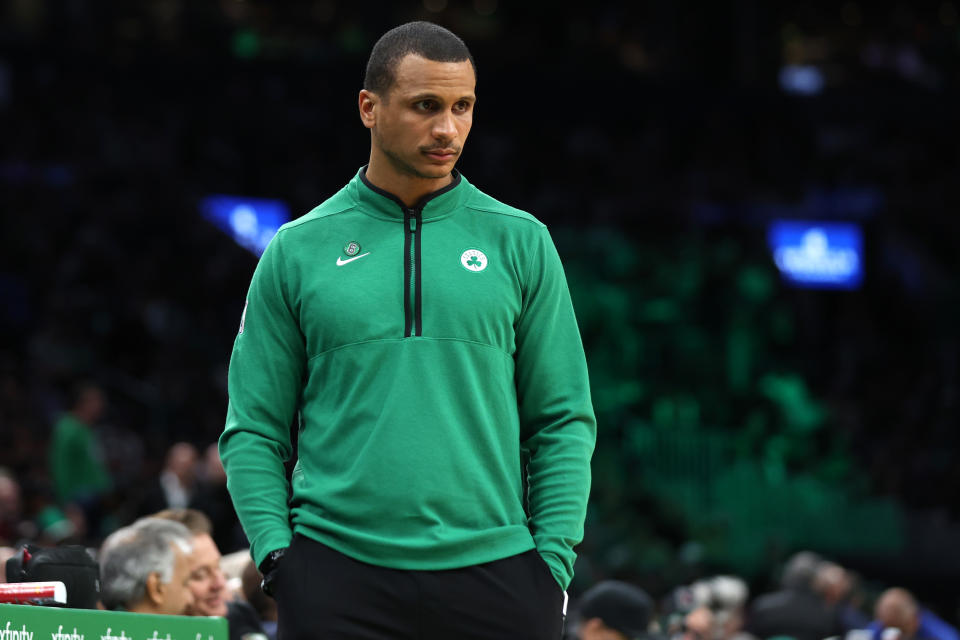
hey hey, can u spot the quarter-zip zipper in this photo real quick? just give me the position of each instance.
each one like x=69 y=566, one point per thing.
x=412 y=297
x=412 y=263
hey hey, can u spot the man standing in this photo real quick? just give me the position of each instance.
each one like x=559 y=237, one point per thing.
x=176 y=485
x=423 y=334
x=796 y=610
x=75 y=457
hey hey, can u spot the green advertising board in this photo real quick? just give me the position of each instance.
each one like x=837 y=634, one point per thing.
x=23 y=622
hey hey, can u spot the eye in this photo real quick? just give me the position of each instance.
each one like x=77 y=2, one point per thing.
x=425 y=105
x=199 y=574
x=462 y=106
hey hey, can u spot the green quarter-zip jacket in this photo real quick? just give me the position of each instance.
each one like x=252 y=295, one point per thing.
x=431 y=354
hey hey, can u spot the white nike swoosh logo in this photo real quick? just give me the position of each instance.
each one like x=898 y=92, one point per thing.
x=341 y=261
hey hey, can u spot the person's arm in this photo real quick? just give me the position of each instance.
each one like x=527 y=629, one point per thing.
x=264 y=383
x=932 y=626
x=558 y=427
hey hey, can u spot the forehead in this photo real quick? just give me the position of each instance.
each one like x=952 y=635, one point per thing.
x=183 y=562
x=416 y=75
x=205 y=550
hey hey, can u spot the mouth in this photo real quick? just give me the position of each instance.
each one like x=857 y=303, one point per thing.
x=215 y=604
x=441 y=155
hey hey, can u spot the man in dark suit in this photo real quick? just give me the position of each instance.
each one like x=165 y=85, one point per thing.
x=796 y=610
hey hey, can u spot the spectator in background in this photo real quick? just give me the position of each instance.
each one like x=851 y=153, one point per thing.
x=175 y=487
x=10 y=508
x=146 y=567
x=834 y=585
x=795 y=610
x=213 y=499
x=5 y=554
x=720 y=601
x=699 y=624
x=613 y=610
x=255 y=616
x=207 y=582
x=898 y=609
x=77 y=467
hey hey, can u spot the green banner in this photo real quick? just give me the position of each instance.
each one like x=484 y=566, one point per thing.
x=22 y=622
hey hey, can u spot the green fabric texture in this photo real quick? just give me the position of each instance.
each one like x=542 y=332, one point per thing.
x=76 y=464
x=411 y=449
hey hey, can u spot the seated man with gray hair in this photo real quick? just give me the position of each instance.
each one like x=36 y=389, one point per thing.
x=145 y=567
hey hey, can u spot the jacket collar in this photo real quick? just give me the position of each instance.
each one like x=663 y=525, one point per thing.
x=384 y=204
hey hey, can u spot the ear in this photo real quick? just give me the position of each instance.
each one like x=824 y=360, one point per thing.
x=155 y=589
x=367 y=103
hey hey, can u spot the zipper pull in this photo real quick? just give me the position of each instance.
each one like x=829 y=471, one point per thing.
x=413 y=225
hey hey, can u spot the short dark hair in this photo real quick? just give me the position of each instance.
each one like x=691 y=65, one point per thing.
x=425 y=39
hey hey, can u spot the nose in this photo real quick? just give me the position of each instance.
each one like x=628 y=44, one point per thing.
x=444 y=126
x=219 y=579
x=189 y=600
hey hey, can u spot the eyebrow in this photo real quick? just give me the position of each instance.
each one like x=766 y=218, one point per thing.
x=433 y=96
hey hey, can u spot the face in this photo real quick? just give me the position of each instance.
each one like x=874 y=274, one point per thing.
x=207 y=583
x=214 y=467
x=594 y=629
x=697 y=624
x=9 y=499
x=420 y=126
x=92 y=405
x=182 y=461
x=177 y=597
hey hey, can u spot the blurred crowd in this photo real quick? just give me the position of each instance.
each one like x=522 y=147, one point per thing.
x=79 y=497
x=167 y=563
x=817 y=599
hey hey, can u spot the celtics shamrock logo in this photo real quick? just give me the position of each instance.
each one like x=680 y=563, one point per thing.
x=473 y=260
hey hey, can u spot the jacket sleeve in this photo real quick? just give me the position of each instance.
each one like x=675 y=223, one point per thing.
x=264 y=383
x=557 y=423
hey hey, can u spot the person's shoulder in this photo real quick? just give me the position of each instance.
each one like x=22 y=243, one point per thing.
x=67 y=423
x=340 y=202
x=482 y=203
x=243 y=621
x=935 y=627
x=773 y=599
x=241 y=610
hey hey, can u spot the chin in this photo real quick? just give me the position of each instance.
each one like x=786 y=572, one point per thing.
x=220 y=610
x=434 y=172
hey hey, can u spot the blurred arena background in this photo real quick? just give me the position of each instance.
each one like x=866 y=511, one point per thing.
x=745 y=411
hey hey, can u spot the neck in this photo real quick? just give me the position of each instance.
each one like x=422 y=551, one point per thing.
x=409 y=188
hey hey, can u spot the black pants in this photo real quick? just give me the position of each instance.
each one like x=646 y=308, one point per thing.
x=323 y=594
